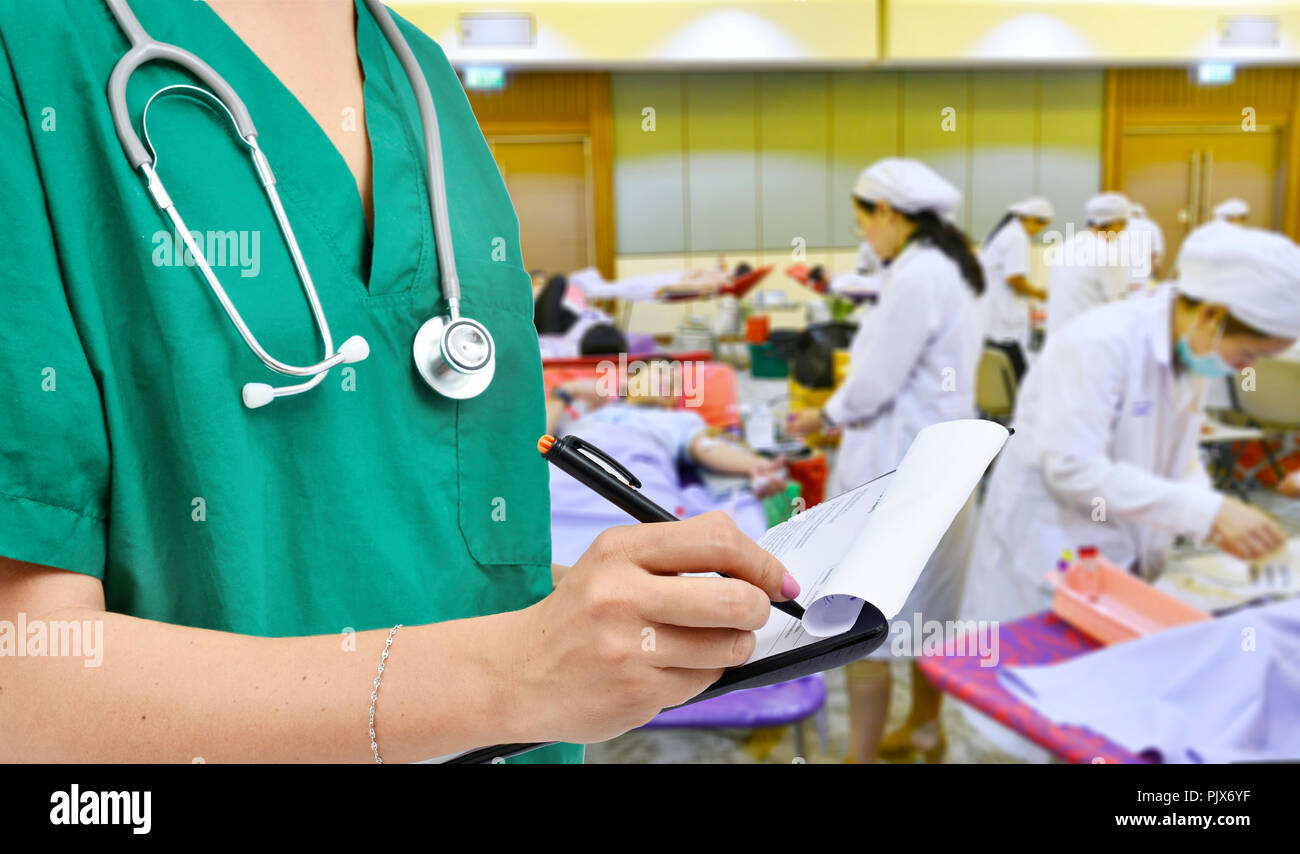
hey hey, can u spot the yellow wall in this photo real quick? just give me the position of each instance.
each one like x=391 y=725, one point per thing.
x=932 y=31
x=847 y=33
x=664 y=31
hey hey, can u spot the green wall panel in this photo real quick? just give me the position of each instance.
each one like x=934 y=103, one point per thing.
x=864 y=128
x=747 y=161
x=649 y=170
x=722 y=161
x=795 y=140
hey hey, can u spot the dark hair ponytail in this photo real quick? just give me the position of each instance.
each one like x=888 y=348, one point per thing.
x=1006 y=218
x=945 y=237
x=950 y=240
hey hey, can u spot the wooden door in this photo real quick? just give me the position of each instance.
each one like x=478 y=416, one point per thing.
x=1179 y=173
x=549 y=179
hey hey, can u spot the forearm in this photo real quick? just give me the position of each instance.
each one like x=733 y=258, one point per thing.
x=165 y=693
x=554 y=412
x=722 y=456
x=1111 y=490
x=1022 y=286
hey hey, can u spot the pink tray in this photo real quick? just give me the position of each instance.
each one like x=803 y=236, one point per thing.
x=1124 y=608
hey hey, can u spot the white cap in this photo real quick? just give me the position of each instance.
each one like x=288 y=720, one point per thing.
x=908 y=186
x=1106 y=208
x=1253 y=272
x=1034 y=206
x=1231 y=207
x=1137 y=209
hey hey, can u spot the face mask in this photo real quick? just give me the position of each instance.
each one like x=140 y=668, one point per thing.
x=1210 y=365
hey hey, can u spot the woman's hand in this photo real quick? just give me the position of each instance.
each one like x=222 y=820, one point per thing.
x=803 y=422
x=767 y=477
x=586 y=390
x=1244 y=532
x=624 y=636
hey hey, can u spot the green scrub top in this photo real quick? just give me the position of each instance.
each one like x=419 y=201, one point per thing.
x=125 y=450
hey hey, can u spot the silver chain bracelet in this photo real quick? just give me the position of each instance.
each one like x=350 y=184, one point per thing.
x=374 y=693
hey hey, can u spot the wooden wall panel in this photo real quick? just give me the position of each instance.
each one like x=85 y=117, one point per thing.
x=541 y=103
x=1157 y=96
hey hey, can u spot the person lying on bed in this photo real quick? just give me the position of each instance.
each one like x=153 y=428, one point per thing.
x=649 y=437
x=646 y=421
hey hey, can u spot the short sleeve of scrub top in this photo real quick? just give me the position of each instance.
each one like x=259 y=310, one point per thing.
x=125 y=451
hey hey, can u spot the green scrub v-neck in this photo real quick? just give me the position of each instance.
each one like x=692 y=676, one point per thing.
x=125 y=451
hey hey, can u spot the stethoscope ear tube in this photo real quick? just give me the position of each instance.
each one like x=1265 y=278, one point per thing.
x=146 y=49
x=456 y=356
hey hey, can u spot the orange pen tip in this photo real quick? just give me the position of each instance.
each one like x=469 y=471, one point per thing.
x=544 y=444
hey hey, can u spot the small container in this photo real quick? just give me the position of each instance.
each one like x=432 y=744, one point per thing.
x=766 y=361
x=1086 y=577
x=757 y=327
x=1119 y=607
x=811 y=474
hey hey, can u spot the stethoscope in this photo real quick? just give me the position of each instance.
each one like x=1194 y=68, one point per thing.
x=455 y=355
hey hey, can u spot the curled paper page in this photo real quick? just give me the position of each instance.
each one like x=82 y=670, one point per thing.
x=871 y=543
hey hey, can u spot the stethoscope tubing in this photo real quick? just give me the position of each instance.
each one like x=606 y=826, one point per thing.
x=142 y=155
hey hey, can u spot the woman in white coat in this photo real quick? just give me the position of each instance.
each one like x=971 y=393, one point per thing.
x=1108 y=422
x=1107 y=428
x=912 y=364
x=1093 y=266
x=1005 y=257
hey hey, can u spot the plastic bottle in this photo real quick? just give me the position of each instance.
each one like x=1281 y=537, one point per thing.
x=1087 y=573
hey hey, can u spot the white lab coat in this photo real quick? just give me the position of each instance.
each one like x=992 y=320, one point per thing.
x=1007 y=312
x=1104 y=454
x=1082 y=277
x=912 y=364
x=865 y=278
x=1145 y=234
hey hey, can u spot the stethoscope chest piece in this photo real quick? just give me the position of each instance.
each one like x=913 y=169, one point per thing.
x=457 y=358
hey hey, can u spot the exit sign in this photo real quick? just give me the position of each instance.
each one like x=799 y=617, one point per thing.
x=482 y=77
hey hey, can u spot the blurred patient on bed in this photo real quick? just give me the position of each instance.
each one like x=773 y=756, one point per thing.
x=656 y=441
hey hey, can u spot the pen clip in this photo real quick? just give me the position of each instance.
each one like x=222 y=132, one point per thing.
x=582 y=445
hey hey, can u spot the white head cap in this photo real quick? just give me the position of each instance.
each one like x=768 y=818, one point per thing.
x=1231 y=207
x=1253 y=272
x=907 y=185
x=1106 y=208
x=1034 y=206
x=1137 y=209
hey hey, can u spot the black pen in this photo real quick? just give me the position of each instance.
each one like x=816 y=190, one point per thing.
x=575 y=456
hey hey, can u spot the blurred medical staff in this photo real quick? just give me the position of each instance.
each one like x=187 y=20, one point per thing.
x=1088 y=270
x=864 y=280
x=1149 y=240
x=1107 y=426
x=1234 y=211
x=912 y=364
x=1005 y=258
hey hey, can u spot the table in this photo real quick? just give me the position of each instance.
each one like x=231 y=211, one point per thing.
x=1037 y=639
x=1222 y=442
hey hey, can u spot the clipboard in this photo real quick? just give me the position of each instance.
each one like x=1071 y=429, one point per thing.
x=867 y=633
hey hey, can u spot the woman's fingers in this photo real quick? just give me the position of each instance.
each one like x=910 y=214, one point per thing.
x=702 y=602
x=682 y=684
x=707 y=543
x=696 y=649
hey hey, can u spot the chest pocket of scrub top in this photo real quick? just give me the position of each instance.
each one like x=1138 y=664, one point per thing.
x=504 y=485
